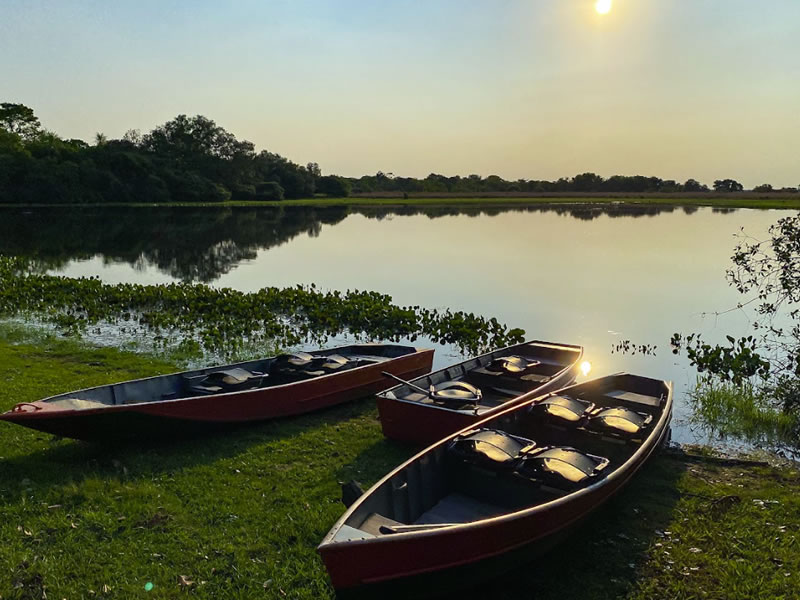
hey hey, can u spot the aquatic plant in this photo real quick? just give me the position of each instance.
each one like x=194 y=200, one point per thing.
x=743 y=410
x=223 y=320
x=758 y=374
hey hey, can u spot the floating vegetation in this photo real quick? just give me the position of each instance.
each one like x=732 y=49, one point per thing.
x=223 y=321
x=629 y=347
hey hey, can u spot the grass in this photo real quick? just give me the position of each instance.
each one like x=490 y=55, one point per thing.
x=742 y=411
x=239 y=514
x=743 y=200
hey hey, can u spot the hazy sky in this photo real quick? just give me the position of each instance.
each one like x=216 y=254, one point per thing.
x=518 y=88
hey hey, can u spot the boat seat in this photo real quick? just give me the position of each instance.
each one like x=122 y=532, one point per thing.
x=514 y=364
x=302 y=365
x=223 y=381
x=561 y=467
x=455 y=393
x=512 y=372
x=489 y=448
x=618 y=422
x=334 y=362
x=564 y=411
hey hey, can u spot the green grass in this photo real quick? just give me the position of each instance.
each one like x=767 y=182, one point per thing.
x=789 y=201
x=742 y=411
x=239 y=514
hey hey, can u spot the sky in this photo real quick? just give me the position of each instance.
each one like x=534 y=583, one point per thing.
x=534 y=89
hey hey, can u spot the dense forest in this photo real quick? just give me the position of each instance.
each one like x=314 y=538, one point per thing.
x=192 y=159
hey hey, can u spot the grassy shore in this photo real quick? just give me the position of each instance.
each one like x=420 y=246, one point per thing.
x=238 y=515
x=740 y=200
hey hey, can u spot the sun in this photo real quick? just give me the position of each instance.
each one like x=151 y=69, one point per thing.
x=602 y=7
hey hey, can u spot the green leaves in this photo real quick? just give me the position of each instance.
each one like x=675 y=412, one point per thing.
x=225 y=320
x=737 y=363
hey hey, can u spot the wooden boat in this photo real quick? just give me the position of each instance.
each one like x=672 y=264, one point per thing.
x=492 y=496
x=255 y=390
x=438 y=404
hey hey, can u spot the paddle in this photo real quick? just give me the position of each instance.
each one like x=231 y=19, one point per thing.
x=388 y=529
x=408 y=383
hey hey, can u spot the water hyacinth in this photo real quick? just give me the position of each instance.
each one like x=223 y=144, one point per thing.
x=223 y=319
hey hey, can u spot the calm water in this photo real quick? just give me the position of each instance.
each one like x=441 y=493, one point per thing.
x=587 y=275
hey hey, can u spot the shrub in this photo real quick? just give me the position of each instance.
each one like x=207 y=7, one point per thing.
x=269 y=190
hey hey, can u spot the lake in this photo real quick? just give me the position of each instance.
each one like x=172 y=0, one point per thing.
x=584 y=274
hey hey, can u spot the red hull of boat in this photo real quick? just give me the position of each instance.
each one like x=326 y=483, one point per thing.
x=154 y=418
x=395 y=559
x=424 y=424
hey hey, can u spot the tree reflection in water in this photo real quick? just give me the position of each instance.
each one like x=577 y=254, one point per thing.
x=203 y=243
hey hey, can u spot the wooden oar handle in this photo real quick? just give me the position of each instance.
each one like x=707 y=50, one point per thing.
x=403 y=381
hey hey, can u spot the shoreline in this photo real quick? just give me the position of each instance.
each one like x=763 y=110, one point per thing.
x=241 y=512
x=499 y=200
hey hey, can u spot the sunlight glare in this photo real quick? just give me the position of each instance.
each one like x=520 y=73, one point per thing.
x=586 y=366
x=602 y=7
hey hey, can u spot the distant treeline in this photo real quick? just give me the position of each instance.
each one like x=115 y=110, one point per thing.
x=192 y=159
x=585 y=183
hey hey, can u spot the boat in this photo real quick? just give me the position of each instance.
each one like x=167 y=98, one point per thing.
x=436 y=405
x=492 y=496
x=256 y=390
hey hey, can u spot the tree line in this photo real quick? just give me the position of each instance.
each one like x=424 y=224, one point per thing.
x=582 y=183
x=192 y=159
x=187 y=159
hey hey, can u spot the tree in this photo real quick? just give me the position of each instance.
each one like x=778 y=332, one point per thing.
x=762 y=368
x=194 y=140
x=669 y=186
x=764 y=187
x=692 y=185
x=20 y=120
x=727 y=185
x=296 y=181
x=332 y=185
x=314 y=170
x=10 y=143
x=768 y=271
x=133 y=137
x=587 y=182
x=269 y=190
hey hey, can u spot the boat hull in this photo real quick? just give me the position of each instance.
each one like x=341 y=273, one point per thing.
x=423 y=424
x=444 y=559
x=157 y=419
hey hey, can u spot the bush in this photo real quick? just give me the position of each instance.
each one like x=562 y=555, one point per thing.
x=191 y=187
x=269 y=190
x=240 y=191
x=331 y=185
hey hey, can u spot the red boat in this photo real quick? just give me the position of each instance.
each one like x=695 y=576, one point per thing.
x=431 y=407
x=256 y=390
x=488 y=498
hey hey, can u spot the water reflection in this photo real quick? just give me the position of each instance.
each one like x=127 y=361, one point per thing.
x=202 y=244
x=189 y=244
x=594 y=275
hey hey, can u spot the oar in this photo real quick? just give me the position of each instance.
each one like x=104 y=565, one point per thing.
x=408 y=383
x=389 y=529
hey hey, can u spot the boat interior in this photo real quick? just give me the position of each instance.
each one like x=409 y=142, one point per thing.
x=539 y=452
x=260 y=373
x=491 y=380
